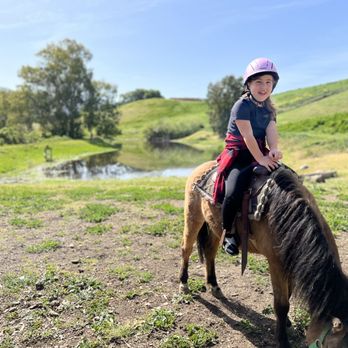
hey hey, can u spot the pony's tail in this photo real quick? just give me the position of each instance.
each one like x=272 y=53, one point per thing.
x=202 y=241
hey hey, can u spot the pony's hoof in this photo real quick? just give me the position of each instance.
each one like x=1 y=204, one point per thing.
x=216 y=292
x=183 y=288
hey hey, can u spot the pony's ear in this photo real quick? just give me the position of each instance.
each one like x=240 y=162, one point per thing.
x=337 y=325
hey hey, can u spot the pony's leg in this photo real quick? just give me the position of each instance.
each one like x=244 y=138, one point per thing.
x=210 y=251
x=193 y=222
x=281 y=293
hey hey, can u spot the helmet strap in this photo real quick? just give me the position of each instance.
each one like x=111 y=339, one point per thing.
x=254 y=100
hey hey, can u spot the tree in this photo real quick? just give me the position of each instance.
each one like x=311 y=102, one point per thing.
x=4 y=107
x=221 y=96
x=59 y=87
x=140 y=94
x=21 y=112
x=101 y=110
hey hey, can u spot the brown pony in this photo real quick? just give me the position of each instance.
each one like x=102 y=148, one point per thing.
x=300 y=249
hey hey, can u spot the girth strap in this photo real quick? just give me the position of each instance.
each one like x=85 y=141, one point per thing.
x=245 y=230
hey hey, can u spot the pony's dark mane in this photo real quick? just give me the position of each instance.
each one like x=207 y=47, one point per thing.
x=303 y=248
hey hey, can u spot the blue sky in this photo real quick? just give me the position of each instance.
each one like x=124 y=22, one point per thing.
x=180 y=46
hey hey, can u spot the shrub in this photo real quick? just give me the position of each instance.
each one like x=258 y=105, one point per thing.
x=162 y=133
x=18 y=135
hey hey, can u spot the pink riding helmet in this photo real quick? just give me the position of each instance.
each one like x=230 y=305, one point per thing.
x=259 y=66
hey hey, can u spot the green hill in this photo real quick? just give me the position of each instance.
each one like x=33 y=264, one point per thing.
x=307 y=120
x=138 y=116
x=335 y=103
x=293 y=106
x=301 y=97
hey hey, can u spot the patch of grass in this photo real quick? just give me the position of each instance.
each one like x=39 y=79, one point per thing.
x=159 y=319
x=29 y=223
x=88 y=343
x=44 y=246
x=123 y=272
x=121 y=332
x=83 y=193
x=160 y=228
x=29 y=199
x=98 y=229
x=83 y=299
x=335 y=214
x=145 y=276
x=301 y=319
x=261 y=280
x=126 y=242
x=7 y=342
x=169 y=208
x=126 y=271
x=126 y=228
x=332 y=200
x=196 y=285
x=258 y=265
x=201 y=337
x=176 y=341
x=174 y=243
x=165 y=226
x=268 y=310
x=131 y=294
x=248 y=326
x=96 y=212
x=183 y=298
x=14 y=283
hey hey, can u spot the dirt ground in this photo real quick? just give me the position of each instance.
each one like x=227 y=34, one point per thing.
x=242 y=319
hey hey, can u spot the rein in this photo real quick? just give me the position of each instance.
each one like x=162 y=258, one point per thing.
x=318 y=343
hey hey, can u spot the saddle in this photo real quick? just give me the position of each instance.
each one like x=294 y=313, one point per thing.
x=254 y=200
x=256 y=193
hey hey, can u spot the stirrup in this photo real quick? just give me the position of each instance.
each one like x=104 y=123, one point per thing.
x=230 y=245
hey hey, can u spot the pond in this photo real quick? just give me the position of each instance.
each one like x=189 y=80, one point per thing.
x=152 y=161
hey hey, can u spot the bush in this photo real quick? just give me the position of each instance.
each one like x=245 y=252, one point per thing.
x=140 y=94
x=163 y=133
x=11 y=135
x=18 y=135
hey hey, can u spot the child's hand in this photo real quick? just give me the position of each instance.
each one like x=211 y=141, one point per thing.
x=275 y=154
x=269 y=163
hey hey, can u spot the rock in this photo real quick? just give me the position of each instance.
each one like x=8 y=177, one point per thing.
x=319 y=176
x=36 y=305
x=40 y=285
x=10 y=310
x=53 y=313
x=76 y=262
x=55 y=303
x=304 y=167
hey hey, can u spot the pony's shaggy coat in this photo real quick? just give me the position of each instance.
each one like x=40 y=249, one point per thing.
x=303 y=248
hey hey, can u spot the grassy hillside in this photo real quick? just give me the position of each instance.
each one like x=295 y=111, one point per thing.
x=336 y=103
x=307 y=120
x=293 y=106
x=138 y=116
x=314 y=126
x=300 y=97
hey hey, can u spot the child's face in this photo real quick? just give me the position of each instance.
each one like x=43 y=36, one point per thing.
x=261 y=88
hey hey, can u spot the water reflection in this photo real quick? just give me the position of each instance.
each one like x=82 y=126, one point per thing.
x=99 y=166
x=107 y=165
x=170 y=147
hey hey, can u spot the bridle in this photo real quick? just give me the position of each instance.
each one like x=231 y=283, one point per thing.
x=318 y=343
